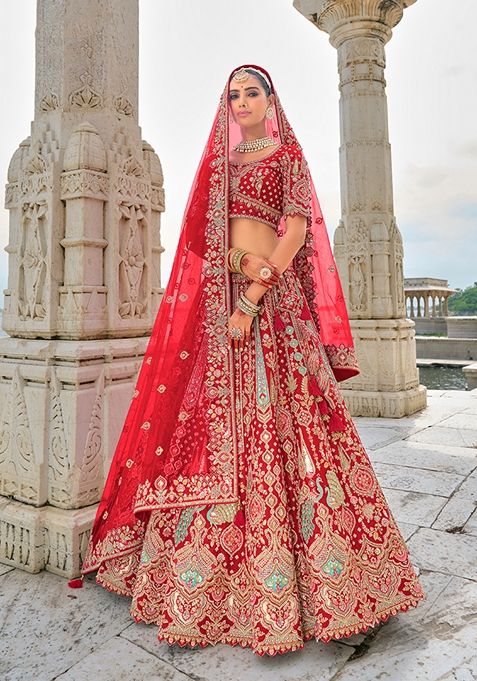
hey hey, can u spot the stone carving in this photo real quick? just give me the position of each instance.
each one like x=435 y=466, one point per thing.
x=17 y=162
x=16 y=447
x=123 y=105
x=85 y=150
x=331 y=15
x=133 y=298
x=91 y=467
x=32 y=262
x=358 y=249
x=49 y=102
x=85 y=97
x=58 y=460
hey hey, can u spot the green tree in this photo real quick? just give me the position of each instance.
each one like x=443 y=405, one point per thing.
x=464 y=302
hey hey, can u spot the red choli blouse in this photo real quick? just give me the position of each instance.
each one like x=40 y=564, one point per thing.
x=270 y=187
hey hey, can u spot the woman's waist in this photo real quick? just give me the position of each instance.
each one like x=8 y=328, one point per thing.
x=253 y=235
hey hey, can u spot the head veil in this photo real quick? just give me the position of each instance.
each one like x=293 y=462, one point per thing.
x=178 y=445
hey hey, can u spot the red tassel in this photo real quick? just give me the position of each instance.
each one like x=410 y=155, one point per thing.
x=323 y=406
x=313 y=386
x=279 y=324
x=305 y=312
x=76 y=583
x=335 y=422
x=239 y=519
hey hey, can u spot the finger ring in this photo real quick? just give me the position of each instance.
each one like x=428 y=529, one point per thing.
x=236 y=333
x=265 y=273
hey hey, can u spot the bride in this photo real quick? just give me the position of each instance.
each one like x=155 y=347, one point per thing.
x=240 y=505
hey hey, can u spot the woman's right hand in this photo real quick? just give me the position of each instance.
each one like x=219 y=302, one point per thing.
x=252 y=264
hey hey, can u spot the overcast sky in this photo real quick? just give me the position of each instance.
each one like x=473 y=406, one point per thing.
x=187 y=49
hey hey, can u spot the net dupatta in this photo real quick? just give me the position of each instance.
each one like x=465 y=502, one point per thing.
x=178 y=445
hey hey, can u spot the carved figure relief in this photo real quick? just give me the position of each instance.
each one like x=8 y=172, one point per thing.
x=32 y=262
x=132 y=287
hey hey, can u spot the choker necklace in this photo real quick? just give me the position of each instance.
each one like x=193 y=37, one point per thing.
x=254 y=145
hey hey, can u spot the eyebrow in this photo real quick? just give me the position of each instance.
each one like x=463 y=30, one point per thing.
x=251 y=87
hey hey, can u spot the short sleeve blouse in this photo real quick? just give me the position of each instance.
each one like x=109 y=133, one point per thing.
x=296 y=182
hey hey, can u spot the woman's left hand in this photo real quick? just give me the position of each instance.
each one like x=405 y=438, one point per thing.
x=243 y=321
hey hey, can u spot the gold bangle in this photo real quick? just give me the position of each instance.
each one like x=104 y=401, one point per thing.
x=229 y=263
x=236 y=258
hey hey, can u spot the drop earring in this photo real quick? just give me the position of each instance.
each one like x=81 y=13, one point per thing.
x=269 y=112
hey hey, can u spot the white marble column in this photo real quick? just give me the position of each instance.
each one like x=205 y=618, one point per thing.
x=367 y=243
x=85 y=195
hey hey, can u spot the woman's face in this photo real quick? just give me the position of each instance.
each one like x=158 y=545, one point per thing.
x=248 y=101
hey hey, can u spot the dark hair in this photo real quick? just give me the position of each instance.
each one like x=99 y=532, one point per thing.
x=262 y=80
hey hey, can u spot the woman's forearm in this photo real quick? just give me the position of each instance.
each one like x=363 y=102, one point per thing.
x=282 y=255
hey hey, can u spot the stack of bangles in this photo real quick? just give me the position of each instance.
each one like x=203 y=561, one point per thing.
x=234 y=258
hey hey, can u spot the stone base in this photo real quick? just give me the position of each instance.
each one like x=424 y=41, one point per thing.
x=388 y=404
x=45 y=538
x=388 y=382
x=62 y=408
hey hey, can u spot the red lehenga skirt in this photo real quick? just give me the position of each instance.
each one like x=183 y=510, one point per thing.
x=314 y=550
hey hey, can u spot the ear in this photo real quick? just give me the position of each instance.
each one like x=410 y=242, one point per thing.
x=271 y=99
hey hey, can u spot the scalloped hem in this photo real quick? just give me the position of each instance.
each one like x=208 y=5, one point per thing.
x=335 y=634
x=271 y=650
x=332 y=635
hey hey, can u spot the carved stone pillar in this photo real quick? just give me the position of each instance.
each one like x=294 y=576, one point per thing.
x=85 y=195
x=367 y=244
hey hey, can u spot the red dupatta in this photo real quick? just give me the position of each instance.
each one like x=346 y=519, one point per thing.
x=178 y=446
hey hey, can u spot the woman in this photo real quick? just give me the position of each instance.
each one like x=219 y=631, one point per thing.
x=240 y=506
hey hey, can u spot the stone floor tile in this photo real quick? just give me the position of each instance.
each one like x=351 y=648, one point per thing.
x=468 y=489
x=435 y=457
x=5 y=568
x=417 y=480
x=445 y=436
x=471 y=525
x=48 y=627
x=461 y=420
x=432 y=642
x=373 y=436
x=407 y=529
x=453 y=554
x=221 y=662
x=455 y=513
x=413 y=507
x=121 y=660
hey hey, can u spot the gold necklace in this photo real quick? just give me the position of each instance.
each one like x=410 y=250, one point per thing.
x=254 y=145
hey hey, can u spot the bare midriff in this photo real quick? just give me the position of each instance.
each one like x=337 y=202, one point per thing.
x=253 y=236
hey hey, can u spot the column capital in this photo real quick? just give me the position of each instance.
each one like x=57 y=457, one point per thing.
x=345 y=19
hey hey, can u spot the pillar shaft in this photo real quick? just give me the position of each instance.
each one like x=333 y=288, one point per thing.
x=367 y=245
x=85 y=195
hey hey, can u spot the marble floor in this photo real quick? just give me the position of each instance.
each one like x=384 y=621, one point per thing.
x=427 y=465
